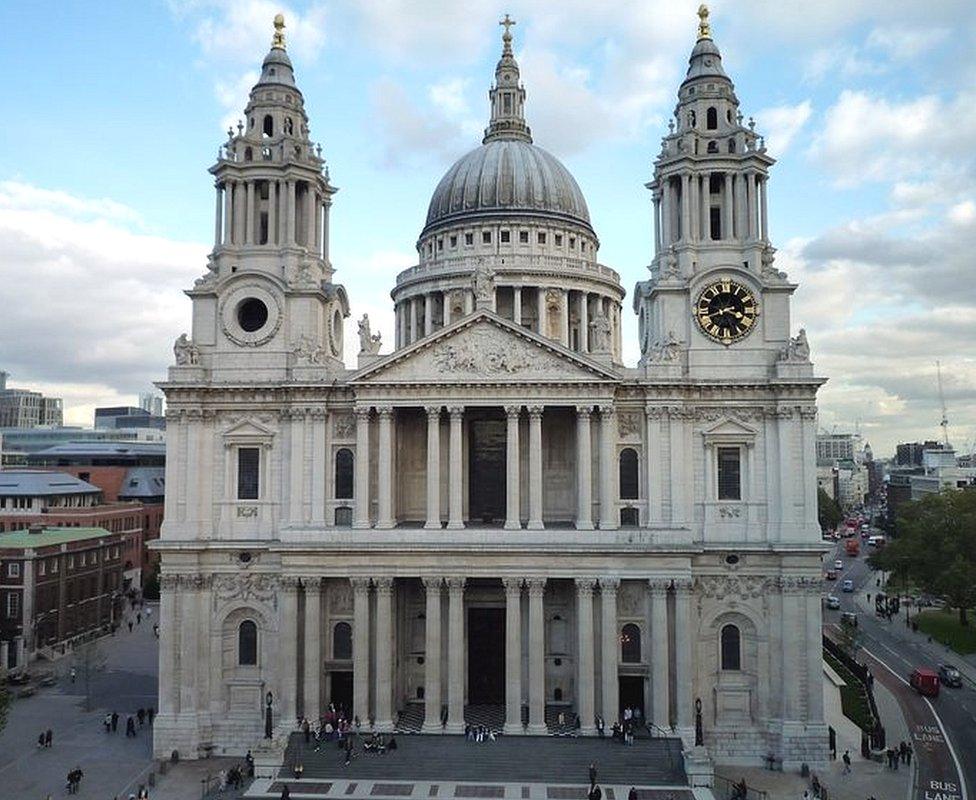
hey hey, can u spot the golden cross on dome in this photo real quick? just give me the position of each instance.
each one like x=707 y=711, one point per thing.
x=704 y=29
x=508 y=23
x=278 y=40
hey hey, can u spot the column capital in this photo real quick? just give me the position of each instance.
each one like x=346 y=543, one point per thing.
x=513 y=586
x=433 y=412
x=609 y=584
x=289 y=583
x=312 y=582
x=360 y=585
x=513 y=412
x=606 y=410
x=584 y=411
x=456 y=412
x=383 y=585
x=455 y=583
x=584 y=586
x=682 y=585
x=658 y=586
x=432 y=583
x=384 y=412
x=535 y=412
x=362 y=412
x=536 y=587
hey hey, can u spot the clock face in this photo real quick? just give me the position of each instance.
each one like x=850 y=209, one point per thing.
x=726 y=311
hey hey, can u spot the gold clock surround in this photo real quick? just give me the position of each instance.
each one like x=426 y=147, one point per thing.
x=726 y=310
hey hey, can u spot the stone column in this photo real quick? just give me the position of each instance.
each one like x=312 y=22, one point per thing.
x=384 y=515
x=535 y=468
x=384 y=654
x=428 y=314
x=468 y=302
x=313 y=647
x=311 y=203
x=684 y=702
x=660 y=657
x=228 y=233
x=320 y=460
x=446 y=306
x=288 y=654
x=705 y=203
x=517 y=305
x=694 y=205
x=432 y=657
x=608 y=468
x=433 y=468
x=218 y=236
x=762 y=208
x=290 y=214
x=169 y=628
x=272 y=212
x=652 y=459
x=686 y=207
x=360 y=649
x=727 y=229
x=657 y=221
x=584 y=469
x=564 y=336
x=584 y=322
x=455 y=500
x=361 y=475
x=537 y=657
x=512 y=468
x=513 y=655
x=584 y=658
x=249 y=214
x=413 y=319
x=609 y=649
x=752 y=204
x=814 y=651
x=540 y=302
x=455 y=655
x=326 y=209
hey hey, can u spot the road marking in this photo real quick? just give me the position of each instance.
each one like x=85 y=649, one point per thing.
x=952 y=750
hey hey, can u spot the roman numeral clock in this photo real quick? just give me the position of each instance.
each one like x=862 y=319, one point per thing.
x=726 y=311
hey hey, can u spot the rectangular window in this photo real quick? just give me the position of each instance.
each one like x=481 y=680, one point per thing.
x=715 y=222
x=454 y=241
x=469 y=239
x=41 y=569
x=559 y=240
x=440 y=245
x=542 y=238
x=54 y=566
x=13 y=570
x=729 y=474
x=486 y=237
x=572 y=242
x=506 y=237
x=523 y=237
x=248 y=462
x=13 y=604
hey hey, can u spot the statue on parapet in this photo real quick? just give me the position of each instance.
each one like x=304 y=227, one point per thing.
x=187 y=354
x=369 y=342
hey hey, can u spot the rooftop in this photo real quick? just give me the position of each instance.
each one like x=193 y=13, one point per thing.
x=34 y=483
x=48 y=537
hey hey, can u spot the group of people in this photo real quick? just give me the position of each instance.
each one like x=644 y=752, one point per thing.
x=143 y=715
x=479 y=733
x=45 y=738
x=334 y=724
x=234 y=777
x=899 y=755
x=74 y=780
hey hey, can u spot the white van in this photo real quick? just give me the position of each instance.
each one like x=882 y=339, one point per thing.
x=876 y=541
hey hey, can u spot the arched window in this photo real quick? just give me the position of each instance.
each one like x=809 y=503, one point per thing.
x=342 y=641
x=731 y=145
x=268 y=125
x=247 y=643
x=731 y=650
x=712 y=147
x=343 y=474
x=630 y=644
x=629 y=489
x=248 y=154
x=711 y=119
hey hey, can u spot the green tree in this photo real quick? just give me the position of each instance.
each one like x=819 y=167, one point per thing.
x=4 y=703
x=936 y=548
x=828 y=512
x=88 y=660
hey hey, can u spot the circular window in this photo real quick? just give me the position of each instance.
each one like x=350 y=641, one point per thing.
x=252 y=314
x=731 y=559
x=336 y=338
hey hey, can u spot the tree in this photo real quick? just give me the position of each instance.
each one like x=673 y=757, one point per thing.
x=88 y=660
x=4 y=703
x=828 y=512
x=936 y=548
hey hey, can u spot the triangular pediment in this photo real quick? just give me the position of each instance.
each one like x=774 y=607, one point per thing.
x=248 y=429
x=729 y=427
x=484 y=348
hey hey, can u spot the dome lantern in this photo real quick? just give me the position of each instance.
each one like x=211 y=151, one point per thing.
x=507 y=95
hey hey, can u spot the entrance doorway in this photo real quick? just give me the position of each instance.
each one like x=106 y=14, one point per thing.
x=486 y=469
x=340 y=690
x=486 y=656
x=632 y=693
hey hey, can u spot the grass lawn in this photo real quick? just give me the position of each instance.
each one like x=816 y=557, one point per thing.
x=943 y=626
x=853 y=696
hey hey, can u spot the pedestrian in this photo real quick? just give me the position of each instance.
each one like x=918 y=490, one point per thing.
x=78 y=776
x=901 y=750
x=908 y=753
x=130 y=626
x=592 y=772
x=143 y=793
x=141 y=716
x=847 y=762
x=150 y=713
x=306 y=731
x=348 y=751
x=48 y=737
x=107 y=722
x=249 y=760
x=130 y=727
x=869 y=597
x=71 y=781
x=285 y=794
x=40 y=739
x=115 y=721
x=73 y=674
x=632 y=794
x=222 y=780
x=138 y=619
x=299 y=769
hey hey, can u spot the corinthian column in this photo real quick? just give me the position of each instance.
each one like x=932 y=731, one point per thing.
x=584 y=468
x=610 y=647
x=512 y=466
x=384 y=653
x=535 y=468
x=384 y=515
x=433 y=467
x=608 y=440
x=682 y=658
x=455 y=656
x=455 y=500
x=584 y=662
x=513 y=655
x=537 y=655
x=360 y=648
x=432 y=657
x=288 y=654
x=660 y=705
x=313 y=646
x=361 y=476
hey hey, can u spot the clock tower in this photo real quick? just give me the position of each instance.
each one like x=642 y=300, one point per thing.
x=714 y=306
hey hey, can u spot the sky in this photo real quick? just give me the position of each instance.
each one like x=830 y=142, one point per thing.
x=114 y=111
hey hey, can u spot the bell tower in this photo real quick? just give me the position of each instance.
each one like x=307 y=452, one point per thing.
x=714 y=306
x=267 y=309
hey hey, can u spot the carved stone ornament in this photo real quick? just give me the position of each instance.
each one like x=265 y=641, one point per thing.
x=666 y=351
x=344 y=426
x=369 y=342
x=797 y=351
x=629 y=424
x=601 y=332
x=304 y=276
x=481 y=352
x=629 y=599
x=483 y=284
x=769 y=272
x=307 y=351
x=187 y=354
x=209 y=278
x=340 y=596
x=239 y=586
x=733 y=587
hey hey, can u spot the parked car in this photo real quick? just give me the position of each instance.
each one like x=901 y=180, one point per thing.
x=833 y=601
x=838 y=564
x=831 y=575
x=950 y=676
x=847 y=586
x=925 y=681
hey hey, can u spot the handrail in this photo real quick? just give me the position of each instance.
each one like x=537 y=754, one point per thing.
x=728 y=790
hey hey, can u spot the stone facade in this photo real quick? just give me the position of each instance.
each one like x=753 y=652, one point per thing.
x=499 y=513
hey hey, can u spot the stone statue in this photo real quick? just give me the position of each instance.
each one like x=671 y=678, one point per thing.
x=797 y=350
x=768 y=257
x=699 y=735
x=600 y=333
x=671 y=263
x=483 y=284
x=667 y=351
x=187 y=354
x=306 y=349
x=369 y=342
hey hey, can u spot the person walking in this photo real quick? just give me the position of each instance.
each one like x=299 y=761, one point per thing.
x=73 y=674
x=285 y=794
x=40 y=739
x=48 y=737
x=592 y=772
x=847 y=762
x=150 y=713
x=141 y=716
x=115 y=721
x=130 y=727
x=107 y=722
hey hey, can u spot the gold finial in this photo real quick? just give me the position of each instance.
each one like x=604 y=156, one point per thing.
x=704 y=29
x=278 y=40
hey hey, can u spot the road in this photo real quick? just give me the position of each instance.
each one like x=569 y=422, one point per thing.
x=943 y=728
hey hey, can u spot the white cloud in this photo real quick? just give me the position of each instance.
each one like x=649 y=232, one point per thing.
x=233 y=96
x=98 y=303
x=963 y=213
x=782 y=123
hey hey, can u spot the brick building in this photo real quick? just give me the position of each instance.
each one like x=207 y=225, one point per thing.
x=56 y=584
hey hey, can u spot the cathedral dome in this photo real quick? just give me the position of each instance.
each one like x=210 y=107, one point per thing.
x=507 y=176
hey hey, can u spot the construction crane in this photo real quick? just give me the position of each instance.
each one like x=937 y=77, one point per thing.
x=944 y=424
